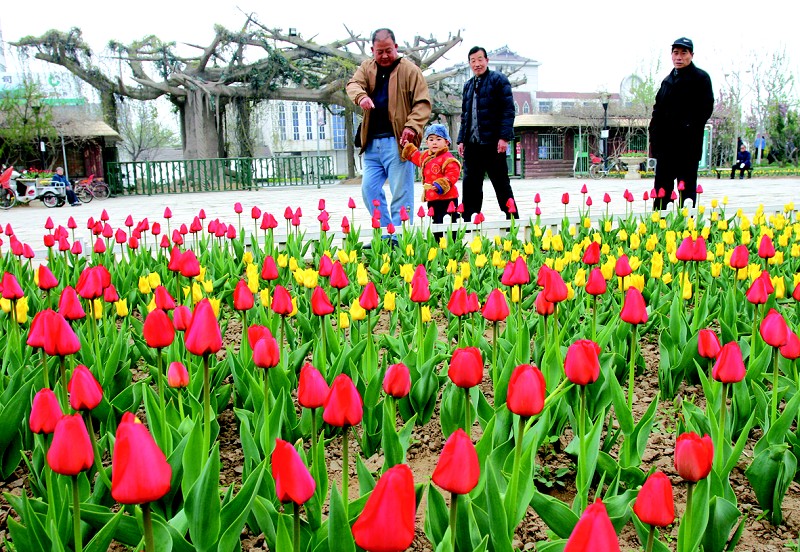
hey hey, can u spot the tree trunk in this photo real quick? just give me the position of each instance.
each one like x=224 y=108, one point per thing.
x=349 y=133
x=243 y=116
x=200 y=128
x=108 y=103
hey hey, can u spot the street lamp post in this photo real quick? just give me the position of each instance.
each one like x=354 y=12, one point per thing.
x=36 y=106
x=604 y=133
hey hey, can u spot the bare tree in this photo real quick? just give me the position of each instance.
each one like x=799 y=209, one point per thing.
x=237 y=68
x=142 y=133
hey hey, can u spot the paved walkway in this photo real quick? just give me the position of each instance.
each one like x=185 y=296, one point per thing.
x=28 y=221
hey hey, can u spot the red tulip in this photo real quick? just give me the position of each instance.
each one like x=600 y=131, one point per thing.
x=757 y=294
x=596 y=284
x=242 y=297
x=693 y=456
x=36 y=335
x=182 y=318
x=565 y=198
x=516 y=273
x=729 y=367
x=397 y=381
x=312 y=389
x=46 y=278
x=526 y=390
x=163 y=299
x=791 y=350
x=623 y=267
x=420 y=289
x=189 y=267
x=699 y=251
x=457 y=470
x=158 y=330
x=543 y=306
x=386 y=523
x=266 y=353
x=634 y=309
x=796 y=292
x=11 y=288
x=654 y=504
x=45 y=412
x=457 y=305
x=685 y=249
x=369 y=297
x=177 y=375
x=203 y=336
x=293 y=481
x=281 y=301
x=472 y=301
x=71 y=450
x=269 y=271
x=773 y=329
x=59 y=339
x=764 y=277
x=708 y=344
x=555 y=290
x=496 y=307
x=338 y=279
x=325 y=266
x=606 y=198
x=320 y=304
x=466 y=367
x=593 y=531
x=582 y=363
x=85 y=392
x=740 y=257
x=255 y=333
x=342 y=406
x=766 y=250
x=139 y=470
x=237 y=208
x=592 y=254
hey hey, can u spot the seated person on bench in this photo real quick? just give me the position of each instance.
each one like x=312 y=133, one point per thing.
x=742 y=162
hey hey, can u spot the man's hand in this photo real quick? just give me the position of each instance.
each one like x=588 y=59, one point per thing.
x=461 y=149
x=502 y=146
x=366 y=103
x=408 y=136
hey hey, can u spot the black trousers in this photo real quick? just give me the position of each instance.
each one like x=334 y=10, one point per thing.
x=440 y=211
x=741 y=171
x=479 y=160
x=672 y=170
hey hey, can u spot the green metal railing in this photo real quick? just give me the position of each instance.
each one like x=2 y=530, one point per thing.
x=216 y=175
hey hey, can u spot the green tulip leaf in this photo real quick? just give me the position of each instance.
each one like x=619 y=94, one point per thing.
x=203 y=505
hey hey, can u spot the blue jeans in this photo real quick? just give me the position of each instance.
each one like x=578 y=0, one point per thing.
x=381 y=162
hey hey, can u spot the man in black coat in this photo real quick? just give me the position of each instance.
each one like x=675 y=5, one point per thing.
x=487 y=126
x=683 y=105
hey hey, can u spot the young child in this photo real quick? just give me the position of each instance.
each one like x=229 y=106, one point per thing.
x=440 y=170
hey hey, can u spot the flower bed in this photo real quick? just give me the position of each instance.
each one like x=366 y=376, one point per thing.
x=488 y=391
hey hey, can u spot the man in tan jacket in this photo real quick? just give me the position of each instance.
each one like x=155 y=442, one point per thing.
x=394 y=96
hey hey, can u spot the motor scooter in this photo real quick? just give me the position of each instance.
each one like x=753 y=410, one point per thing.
x=52 y=194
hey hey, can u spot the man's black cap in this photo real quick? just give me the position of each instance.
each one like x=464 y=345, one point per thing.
x=684 y=42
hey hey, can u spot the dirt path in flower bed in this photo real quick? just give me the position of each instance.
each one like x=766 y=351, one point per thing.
x=428 y=441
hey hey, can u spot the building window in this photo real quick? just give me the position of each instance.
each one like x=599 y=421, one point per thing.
x=295 y=122
x=566 y=106
x=516 y=108
x=526 y=108
x=545 y=107
x=309 y=123
x=282 y=120
x=551 y=146
x=337 y=122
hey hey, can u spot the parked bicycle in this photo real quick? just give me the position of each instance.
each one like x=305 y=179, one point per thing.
x=598 y=170
x=52 y=194
x=90 y=188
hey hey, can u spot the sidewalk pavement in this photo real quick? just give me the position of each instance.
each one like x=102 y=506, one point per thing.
x=28 y=221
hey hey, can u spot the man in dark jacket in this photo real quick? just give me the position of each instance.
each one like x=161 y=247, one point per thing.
x=742 y=162
x=487 y=126
x=683 y=105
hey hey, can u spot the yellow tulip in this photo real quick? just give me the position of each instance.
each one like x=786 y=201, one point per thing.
x=580 y=277
x=385 y=269
x=745 y=239
x=214 y=305
x=344 y=258
x=777 y=259
x=558 y=243
x=690 y=224
x=122 y=308
x=608 y=267
x=5 y=305
x=361 y=275
x=409 y=250
x=722 y=224
x=294 y=307
x=247 y=258
x=356 y=311
x=480 y=260
x=727 y=237
x=622 y=235
x=353 y=257
x=476 y=245
x=635 y=242
x=293 y=264
x=655 y=217
x=570 y=291
x=714 y=216
x=458 y=282
x=687 y=290
x=546 y=243
x=662 y=224
x=197 y=293
x=155 y=280
x=685 y=212
x=635 y=280
x=724 y=200
x=344 y=321
x=151 y=306
x=497 y=260
x=443 y=242
x=528 y=248
x=605 y=249
x=701 y=209
x=202 y=275
x=795 y=252
x=549 y=262
x=742 y=274
x=795 y=279
x=466 y=270
x=714 y=203
x=144 y=285
x=667 y=278
x=452 y=266
x=425 y=311
x=311 y=279
x=537 y=231
x=656 y=265
x=783 y=240
x=22 y=309
x=283 y=260
x=497 y=240
x=635 y=262
x=506 y=245
x=607 y=226
x=299 y=276
x=208 y=286
x=252 y=283
x=389 y=301
x=407 y=272
x=716 y=270
x=264 y=298
x=587 y=222
x=432 y=253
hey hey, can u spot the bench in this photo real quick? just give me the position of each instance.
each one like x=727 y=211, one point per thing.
x=721 y=171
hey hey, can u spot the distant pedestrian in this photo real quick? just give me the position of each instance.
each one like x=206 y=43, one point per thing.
x=683 y=105
x=487 y=126
x=394 y=96
x=61 y=179
x=742 y=162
